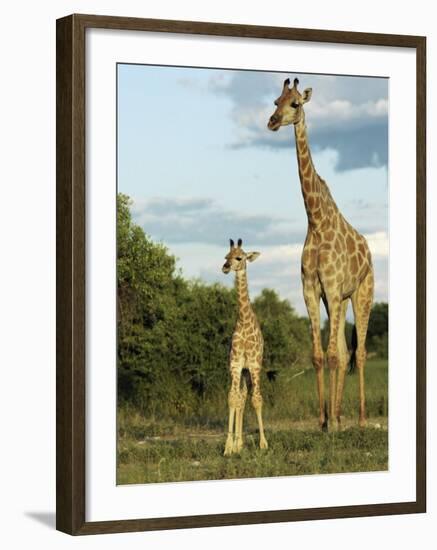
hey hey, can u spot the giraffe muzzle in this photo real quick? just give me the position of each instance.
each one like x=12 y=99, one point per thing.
x=274 y=123
x=226 y=268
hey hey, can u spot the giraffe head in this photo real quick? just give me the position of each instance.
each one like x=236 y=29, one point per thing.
x=236 y=258
x=289 y=108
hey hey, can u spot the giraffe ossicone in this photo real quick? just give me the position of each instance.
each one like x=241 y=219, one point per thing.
x=245 y=359
x=336 y=265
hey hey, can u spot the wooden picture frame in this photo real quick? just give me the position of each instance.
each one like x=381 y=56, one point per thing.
x=71 y=275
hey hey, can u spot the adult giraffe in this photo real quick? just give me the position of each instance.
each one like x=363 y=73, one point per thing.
x=336 y=264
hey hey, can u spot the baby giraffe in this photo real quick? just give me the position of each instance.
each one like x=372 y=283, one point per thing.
x=246 y=353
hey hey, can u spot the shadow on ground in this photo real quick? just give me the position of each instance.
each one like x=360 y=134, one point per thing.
x=45 y=518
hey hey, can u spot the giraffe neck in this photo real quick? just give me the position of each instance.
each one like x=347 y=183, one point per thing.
x=311 y=184
x=244 y=307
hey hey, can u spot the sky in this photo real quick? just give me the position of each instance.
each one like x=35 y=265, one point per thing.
x=201 y=167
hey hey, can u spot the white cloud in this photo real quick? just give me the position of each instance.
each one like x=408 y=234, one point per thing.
x=378 y=244
x=343 y=110
x=349 y=114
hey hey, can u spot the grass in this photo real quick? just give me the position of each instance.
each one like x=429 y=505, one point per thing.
x=191 y=448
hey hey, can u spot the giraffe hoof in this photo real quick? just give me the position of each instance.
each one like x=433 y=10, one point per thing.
x=263 y=444
x=229 y=447
x=362 y=423
x=238 y=445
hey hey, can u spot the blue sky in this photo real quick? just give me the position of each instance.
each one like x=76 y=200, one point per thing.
x=195 y=156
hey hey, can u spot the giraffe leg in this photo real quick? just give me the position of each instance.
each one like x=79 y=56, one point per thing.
x=257 y=402
x=362 y=303
x=234 y=400
x=238 y=441
x=229 y=446
x=312 y=302
x=343 y=356
x=334 y=307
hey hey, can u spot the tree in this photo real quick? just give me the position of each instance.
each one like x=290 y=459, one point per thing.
x=145 y=271
x=202 y=335
x=146 y=285
x=377 y=332
x=378 y=321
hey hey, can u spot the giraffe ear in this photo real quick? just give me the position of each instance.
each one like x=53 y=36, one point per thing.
x=252 y=256
x=306 y=94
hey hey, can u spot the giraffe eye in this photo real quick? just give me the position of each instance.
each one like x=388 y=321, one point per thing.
x=239 y=259
x=295 y=105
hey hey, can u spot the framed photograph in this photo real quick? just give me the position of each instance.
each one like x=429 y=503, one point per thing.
x=241 y=276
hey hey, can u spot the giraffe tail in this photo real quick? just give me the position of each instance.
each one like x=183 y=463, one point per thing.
x=353 y=357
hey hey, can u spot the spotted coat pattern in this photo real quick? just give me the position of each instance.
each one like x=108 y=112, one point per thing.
x=336 y=265
x=246 y=354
